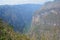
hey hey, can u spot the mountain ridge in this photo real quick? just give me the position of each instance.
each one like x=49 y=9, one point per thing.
x=18 y=15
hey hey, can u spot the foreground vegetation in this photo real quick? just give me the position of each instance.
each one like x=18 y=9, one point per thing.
x=7 y=33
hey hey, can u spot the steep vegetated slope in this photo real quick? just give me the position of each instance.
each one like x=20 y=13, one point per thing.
x=46 y=22
x=19 y=16
x=7 y=32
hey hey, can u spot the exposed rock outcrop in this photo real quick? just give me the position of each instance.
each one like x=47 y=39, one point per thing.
x=46 y=22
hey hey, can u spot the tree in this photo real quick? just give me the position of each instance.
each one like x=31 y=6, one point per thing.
x=7 y=32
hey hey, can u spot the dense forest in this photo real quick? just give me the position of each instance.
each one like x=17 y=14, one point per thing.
x=20 y=16
x=7 y=32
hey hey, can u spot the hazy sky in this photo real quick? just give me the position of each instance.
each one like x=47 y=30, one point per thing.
x=12 y=2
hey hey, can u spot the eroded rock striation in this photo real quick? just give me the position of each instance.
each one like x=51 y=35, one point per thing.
x=46 y=22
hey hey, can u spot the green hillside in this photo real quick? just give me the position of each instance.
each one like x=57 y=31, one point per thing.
x=7 y=33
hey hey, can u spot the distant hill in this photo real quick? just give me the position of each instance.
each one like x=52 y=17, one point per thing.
x=46 y=22
x=19 y=16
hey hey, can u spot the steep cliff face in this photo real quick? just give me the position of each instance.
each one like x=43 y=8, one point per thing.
x=46 y=22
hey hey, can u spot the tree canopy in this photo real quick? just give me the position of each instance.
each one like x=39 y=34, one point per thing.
x=7 y=32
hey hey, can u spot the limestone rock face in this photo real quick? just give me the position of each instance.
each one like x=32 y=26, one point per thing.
x=46 y=22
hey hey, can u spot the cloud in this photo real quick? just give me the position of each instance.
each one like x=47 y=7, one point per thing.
x=22 y=1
